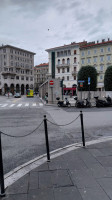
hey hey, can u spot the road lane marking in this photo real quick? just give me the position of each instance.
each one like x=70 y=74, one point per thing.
x=27 y=104
x=19 y=105
x=34 y=104
x=12 y=105
x=40 y=104
x=4 y=105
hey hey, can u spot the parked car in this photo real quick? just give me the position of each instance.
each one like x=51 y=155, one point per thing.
x=17 y=95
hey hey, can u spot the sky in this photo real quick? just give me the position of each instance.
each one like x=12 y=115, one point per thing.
x=37 y=25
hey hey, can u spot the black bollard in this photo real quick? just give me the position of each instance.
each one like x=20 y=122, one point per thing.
x=46 y=138
x=82 y=128
x=2 y=194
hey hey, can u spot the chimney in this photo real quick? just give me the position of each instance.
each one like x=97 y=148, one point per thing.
x=103 y=40
x=108 y=39
x=97 y=41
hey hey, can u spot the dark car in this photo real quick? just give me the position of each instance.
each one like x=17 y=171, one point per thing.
x=17 y=95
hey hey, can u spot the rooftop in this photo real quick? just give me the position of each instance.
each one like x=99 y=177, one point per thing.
x=9 y=46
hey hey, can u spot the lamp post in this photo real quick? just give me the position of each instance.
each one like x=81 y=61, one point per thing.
x=62 y=87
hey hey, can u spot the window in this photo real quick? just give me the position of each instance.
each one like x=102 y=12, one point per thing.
x=17 y=77
x=75 y=60
x=58 y=70
x=101 y=77
x=74 y=69
x=69 y=52
x=101 y=58
x=4 y=63
x=101 y=67
x=4 y=50
x=82 y=53
x=74 y=52
x=58 y=61
x=67 y=78
x=31 y=78
x=95 y=51
x=88 y=60
x=63 y=78
x=63 y=70
x=74 y=77
x=109 y=49
x=63 y=61
x=95 y=59
x=26 y=78
x=68 y=61
x=88 y=52
x=101 y=50
x=22 y=77
x=67 y=69
x=82 y=60
x=108 y=58
x=65 y=53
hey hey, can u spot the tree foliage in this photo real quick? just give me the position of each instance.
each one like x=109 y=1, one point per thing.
x=108 y=79
x=83 y=74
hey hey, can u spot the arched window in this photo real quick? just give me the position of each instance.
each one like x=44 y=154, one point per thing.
x=68 y=61
x=75 y=60
x=58 y=61
x=63 y=61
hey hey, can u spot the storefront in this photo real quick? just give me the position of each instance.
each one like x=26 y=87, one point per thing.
x=69 y=91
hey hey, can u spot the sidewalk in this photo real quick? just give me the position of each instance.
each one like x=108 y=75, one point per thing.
x=81 y=174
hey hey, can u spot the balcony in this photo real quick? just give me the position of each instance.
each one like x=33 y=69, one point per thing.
x=100 y=72
x=8 y=73
x=63 y=65
x=74 y=72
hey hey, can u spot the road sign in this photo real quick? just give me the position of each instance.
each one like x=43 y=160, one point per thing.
x=89 y=79
x=51 y=82
x=81 y=81
x=81 y=84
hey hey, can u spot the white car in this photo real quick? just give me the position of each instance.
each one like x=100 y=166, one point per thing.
x=17 y=95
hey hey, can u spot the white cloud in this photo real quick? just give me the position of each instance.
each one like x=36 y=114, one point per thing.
x=37 y=25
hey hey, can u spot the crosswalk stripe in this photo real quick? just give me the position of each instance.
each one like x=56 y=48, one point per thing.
x=19 y=105
x=40 y=104
x=34 y=104
x=12 y=105
x=4 y=105
x=27 y=104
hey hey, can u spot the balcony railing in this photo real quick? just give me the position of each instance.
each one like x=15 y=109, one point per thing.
x=63 y=65
x=8 y=73
x=74 y=72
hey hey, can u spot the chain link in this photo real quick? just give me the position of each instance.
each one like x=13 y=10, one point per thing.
x=64 y=124
x=21 y=135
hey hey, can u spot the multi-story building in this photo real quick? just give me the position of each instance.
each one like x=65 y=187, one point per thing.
x=99 y=55
x=67 y=60
x=40 y=74
x=16 y=69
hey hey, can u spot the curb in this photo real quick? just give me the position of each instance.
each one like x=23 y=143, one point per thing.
x=22 y=170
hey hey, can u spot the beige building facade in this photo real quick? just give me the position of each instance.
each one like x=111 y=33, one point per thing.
x=98 y=55
x=16 y=69
x=40 y=74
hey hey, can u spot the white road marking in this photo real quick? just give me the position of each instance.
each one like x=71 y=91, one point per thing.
x=4 y=105
x=40 y=104
x=19 y=105
x=34 y=104
x=12 y=105
x=27 y=104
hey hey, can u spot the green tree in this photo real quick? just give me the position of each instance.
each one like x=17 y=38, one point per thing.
x=108 y=79
x=83 y=74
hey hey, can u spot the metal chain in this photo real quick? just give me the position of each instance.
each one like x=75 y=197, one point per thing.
x=21 y=135
x=64 y=124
